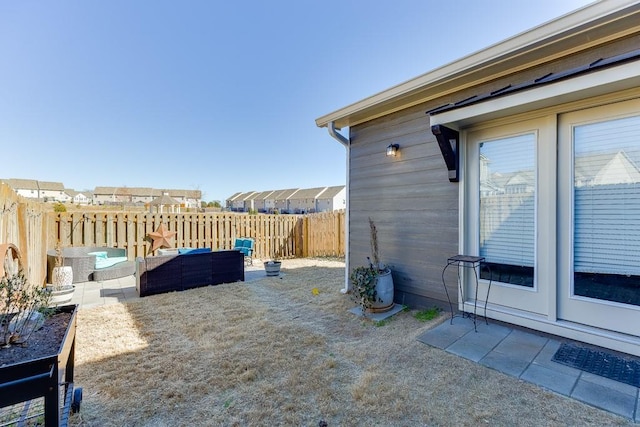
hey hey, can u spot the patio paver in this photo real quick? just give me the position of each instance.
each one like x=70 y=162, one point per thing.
x=528 y=356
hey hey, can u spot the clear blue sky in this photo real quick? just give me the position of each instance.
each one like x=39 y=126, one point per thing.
x=219 y=96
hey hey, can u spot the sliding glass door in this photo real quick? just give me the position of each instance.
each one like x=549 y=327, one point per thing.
x=599 y=213
x=504 y=188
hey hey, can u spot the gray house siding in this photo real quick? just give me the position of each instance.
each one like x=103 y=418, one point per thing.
x=409 y=196
x=570 y=87
x=410 y=199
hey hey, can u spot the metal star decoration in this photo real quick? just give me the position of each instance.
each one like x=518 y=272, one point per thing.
x=161 y=238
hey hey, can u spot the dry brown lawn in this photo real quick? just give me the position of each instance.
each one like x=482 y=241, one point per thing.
x=271 y=352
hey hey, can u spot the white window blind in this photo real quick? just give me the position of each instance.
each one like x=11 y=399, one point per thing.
x=507 y=200
x=607 y=197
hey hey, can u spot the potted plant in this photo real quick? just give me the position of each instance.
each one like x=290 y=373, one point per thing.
x=61 y=287
x=372 y=285
x=272 y=266
x=36 y=343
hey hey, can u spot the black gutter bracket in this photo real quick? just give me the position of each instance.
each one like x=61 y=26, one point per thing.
x=449 y=142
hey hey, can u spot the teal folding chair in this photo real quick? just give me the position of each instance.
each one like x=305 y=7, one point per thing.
x=246 y=246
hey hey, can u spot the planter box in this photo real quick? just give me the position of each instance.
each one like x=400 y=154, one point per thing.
x=31 y=379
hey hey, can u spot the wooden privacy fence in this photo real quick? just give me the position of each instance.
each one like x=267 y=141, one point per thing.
x=34 y=229
x=323 y=234
x=24 y=223
x=281 y=236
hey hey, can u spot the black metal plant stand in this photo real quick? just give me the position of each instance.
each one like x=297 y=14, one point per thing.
x=472 y=262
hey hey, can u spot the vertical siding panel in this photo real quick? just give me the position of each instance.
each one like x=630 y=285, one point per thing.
x=411 y=201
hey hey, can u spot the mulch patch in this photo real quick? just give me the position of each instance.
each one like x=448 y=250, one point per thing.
x=43 y=342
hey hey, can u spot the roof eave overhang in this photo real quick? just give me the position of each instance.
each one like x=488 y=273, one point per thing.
x=584 y=28
x=611 y=79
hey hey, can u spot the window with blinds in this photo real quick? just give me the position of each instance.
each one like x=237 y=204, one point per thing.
x=606 y=221
x=507 y=209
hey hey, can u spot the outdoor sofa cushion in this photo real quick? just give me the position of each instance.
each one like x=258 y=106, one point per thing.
x=84 y=264
x=193 y=251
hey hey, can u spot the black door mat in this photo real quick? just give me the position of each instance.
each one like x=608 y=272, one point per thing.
x=599 y=362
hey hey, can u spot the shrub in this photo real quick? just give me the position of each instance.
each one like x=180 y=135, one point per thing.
x=364 y=291
x=22 y=309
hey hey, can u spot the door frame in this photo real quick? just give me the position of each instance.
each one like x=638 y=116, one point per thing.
x=613 y=316
x=536 y=300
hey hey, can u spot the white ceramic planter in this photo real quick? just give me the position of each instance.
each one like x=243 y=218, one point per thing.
x=62 y=276
x=60 y=296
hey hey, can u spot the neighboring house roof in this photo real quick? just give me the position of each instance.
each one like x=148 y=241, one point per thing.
x=106 y=190
x=244 y=196
x=144 y=191
x=574 y=32
x=234 y=196
x=32 y=184
x=247 y=196
x=261 y=195
x=147 y=192
x=73 y=192
x=307 y=193
x=164 y=200
x=283 y=194
x=189 y=194
x=51 y=186
x=331 y=192
x=606 y=169
x=290 y=193
x=593 y=169
x=22 y=184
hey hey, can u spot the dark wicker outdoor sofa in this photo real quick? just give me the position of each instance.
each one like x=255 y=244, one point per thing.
x=167 y=273
x=84 y=265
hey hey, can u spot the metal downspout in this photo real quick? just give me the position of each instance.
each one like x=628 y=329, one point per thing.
x=347 y=144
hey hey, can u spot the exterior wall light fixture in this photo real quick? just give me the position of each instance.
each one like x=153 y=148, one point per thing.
x=392 y=149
